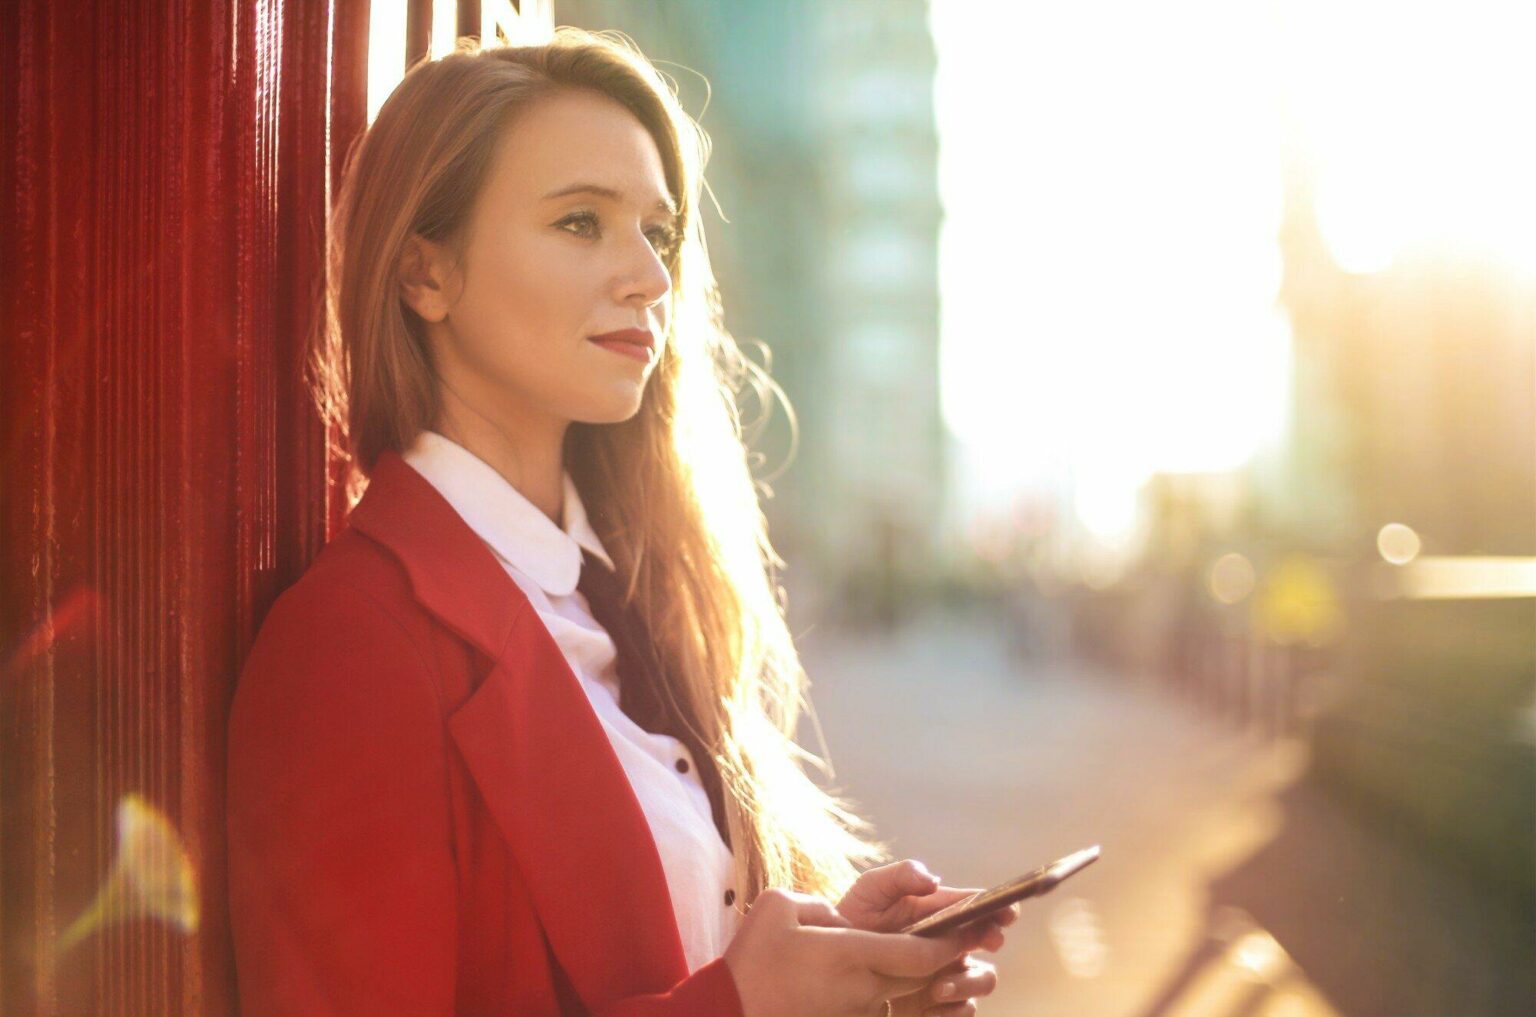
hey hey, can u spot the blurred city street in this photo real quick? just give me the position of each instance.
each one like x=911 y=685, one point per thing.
x=1227 y=886
x=1135 y=405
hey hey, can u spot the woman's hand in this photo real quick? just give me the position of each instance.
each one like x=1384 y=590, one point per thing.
x=890 y=897
x=795 y=956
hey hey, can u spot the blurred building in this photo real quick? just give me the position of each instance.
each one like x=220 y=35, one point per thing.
x=1416 y=404
x=1416 y=398
x=878 y=397
x=825 y=166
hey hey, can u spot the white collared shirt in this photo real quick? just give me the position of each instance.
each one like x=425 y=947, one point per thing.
x=545 y=562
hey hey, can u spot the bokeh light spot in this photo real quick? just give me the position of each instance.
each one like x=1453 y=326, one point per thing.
x=1397 y=543
x=1231 y=578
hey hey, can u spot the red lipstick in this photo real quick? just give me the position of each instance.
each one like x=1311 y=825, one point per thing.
x=637 y=343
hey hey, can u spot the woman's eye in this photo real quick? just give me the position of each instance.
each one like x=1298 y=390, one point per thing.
x=586 y=220
x=664 y=239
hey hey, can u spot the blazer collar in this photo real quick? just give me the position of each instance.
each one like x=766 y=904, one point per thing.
x=452 y=573
x=537 y=752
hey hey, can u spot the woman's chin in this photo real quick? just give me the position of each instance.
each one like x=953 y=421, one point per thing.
x=617 y=408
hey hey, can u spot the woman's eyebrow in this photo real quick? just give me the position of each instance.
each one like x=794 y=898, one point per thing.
x=662 y=204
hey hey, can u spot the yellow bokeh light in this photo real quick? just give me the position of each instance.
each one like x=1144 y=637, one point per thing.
x=152 y=876
x=1299 y=603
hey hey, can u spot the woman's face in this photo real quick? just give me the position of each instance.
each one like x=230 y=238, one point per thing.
x=569 y=239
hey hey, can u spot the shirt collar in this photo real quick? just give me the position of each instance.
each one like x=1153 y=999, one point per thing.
x=519 y=534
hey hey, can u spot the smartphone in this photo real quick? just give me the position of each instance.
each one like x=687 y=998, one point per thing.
x=982 y=903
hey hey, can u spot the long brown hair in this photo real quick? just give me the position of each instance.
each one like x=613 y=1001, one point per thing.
x=670 y=491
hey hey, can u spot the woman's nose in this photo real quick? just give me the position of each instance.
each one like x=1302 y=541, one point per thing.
x=647 y=279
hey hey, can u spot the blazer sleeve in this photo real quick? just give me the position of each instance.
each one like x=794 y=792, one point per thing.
x=709 y=990
x=342 y=886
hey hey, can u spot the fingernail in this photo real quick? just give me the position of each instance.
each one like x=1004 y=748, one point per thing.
x=946 y=990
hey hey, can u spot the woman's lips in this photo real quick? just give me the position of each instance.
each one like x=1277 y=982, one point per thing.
x=635 y=351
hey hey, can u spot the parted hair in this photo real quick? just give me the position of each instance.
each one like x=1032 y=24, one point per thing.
x=670 y=491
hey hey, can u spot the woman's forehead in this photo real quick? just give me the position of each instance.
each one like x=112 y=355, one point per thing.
x=579 y=139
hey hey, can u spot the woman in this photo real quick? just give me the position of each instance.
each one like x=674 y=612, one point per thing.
x=518 y=742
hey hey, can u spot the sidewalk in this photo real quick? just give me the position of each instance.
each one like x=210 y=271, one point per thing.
x=1206 y=901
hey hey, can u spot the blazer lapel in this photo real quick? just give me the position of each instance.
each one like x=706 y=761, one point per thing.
x=537 y=753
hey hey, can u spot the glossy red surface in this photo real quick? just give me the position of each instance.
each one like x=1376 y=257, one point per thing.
x=167 y=171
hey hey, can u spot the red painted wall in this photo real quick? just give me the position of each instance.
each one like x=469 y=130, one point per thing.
x=166 y=173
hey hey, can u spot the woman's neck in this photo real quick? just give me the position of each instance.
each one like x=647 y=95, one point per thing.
x=527 y=453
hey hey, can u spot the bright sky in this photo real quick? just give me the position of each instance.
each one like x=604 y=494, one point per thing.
x=1110 y=172
x=386 y=51
x=1418 y=117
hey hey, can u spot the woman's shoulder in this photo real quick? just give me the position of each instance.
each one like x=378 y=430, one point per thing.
x=352 y=559
x=354 y=601
x=340 y=681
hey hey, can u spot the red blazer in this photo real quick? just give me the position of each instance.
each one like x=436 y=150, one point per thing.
x=424 y=814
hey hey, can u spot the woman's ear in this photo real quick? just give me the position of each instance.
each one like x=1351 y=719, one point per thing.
x=423 y=276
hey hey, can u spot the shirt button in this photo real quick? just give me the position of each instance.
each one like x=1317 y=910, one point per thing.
x=682 y=766
x=730 y=897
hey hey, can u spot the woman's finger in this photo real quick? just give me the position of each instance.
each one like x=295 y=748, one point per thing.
x=808 y=908
x=880 y=887
x=992 y=939
x=816 y=911
x=955 y=967
x=962 y=1009
x=984 y=935
x=900 y=957
x=915 y=908
x=999 y=919
x=978 y=979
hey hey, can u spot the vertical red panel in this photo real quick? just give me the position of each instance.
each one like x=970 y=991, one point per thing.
x=167 y=174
